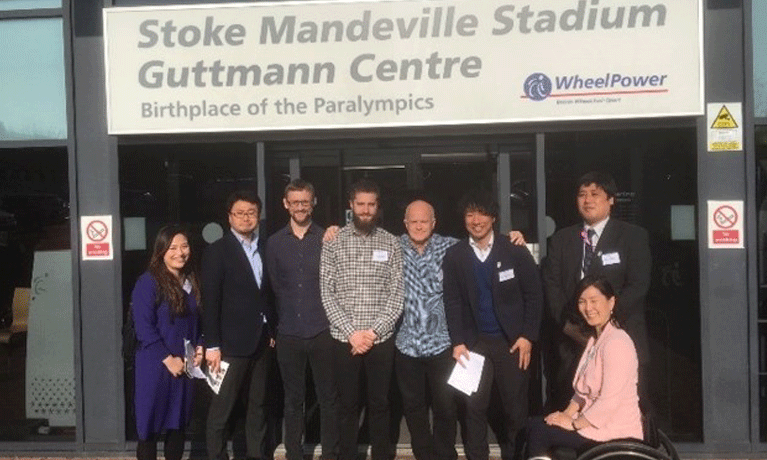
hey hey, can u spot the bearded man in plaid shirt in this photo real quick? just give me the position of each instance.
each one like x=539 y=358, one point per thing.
x=362 y=293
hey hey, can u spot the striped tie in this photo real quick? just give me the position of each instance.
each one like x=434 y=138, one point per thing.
x=588 y=253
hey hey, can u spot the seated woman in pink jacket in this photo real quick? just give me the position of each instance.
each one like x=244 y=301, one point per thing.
x=605 y=405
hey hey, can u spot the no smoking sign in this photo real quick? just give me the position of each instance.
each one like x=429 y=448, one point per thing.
x=725 y=224
x=725 y=216
x=96 y=234
x=97 y=231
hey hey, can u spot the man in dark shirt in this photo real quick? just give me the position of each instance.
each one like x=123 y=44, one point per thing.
x=293 y=264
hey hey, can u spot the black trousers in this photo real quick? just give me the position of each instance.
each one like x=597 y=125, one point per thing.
x=414 y=375
x=377 y=366
x=173 y=441
x=542 y=439
x=251 y=373
x=293 y=354
x=502 y=368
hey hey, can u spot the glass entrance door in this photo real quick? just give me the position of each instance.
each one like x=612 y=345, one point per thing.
x=185 y=183
x=440 y=175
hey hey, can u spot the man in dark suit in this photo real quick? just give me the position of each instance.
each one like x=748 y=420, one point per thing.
x=493 y=305
x=600 y=245
x=237 y=317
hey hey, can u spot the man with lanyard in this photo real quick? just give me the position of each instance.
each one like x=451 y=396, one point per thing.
x=293 y=263
x=601 y=246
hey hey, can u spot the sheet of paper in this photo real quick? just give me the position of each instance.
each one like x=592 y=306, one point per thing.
x=466 y=379
x=192 y=371
x=215 y=380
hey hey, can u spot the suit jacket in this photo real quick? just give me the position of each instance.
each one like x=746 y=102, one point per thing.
x=234 y=307
x=517 y=301
x=622 y=256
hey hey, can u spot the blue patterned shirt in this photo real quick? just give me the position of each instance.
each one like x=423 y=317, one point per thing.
x=424 y=331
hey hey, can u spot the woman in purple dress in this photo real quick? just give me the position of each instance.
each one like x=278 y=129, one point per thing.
x=166 y=311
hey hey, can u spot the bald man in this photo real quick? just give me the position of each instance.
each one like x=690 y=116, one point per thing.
x=424 y=352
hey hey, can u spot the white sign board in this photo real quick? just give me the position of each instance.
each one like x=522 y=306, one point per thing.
x=96 y=237
x=725 y=224
x=725 y=126
x=319 y=65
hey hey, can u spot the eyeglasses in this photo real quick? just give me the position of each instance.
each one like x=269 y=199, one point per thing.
x=244 y=214
x=299 y=203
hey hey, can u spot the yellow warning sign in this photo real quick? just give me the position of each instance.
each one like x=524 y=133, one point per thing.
x=724 y=134
x=724 y=120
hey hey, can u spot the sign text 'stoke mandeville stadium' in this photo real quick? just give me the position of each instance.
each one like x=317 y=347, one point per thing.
x=265 y=66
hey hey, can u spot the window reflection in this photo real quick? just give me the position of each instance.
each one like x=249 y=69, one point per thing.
x=8 y=5
x=657 y=183
x=761 y=203
x=36 y=330
x=32 y=89
x=759 y=24
x=187 y=184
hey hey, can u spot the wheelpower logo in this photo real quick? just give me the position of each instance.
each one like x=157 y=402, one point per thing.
x=539 y=87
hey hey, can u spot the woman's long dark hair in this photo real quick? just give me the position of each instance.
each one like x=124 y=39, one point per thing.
x=170 y=289
x=606 y=288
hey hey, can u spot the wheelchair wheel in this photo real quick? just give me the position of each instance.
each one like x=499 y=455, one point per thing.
x=625 y=450
x=666 y=446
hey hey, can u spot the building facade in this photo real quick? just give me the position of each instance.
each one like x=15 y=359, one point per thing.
x=78 y=171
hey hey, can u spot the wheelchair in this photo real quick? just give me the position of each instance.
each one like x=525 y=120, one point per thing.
x=655 y=446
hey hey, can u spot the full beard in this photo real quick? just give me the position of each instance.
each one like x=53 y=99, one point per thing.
x=365 y=227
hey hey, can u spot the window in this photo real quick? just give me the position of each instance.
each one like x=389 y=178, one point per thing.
x=36 y=330
x=7 y=5
x=761 y=203
x=177 y=183
x=759 y=25
x=656 y=176
x=32 y=95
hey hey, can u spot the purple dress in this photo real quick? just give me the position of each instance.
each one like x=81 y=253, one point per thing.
x=162 y=401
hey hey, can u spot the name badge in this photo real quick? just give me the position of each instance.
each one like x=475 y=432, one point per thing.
x=380 y=256
x=506 y=275
x=611 y=258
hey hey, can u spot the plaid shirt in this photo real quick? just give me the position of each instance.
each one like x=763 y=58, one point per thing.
x=424 y=331
x=361 y=283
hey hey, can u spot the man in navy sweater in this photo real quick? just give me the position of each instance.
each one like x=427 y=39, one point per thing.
x=493 y=304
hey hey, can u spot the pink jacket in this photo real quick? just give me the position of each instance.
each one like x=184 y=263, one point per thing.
x=606 y=387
